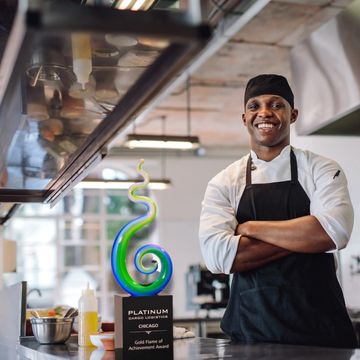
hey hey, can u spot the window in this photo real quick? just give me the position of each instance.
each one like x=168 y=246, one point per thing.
x=62 y=249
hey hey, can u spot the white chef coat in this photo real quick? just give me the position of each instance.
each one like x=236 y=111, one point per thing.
x=322 y=179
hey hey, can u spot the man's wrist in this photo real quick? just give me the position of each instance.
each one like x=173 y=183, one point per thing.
x=250 y=229
x=245 y=229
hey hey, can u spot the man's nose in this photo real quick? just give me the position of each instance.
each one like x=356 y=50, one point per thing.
x=264 y=112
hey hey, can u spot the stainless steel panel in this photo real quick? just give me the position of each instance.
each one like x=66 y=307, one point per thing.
x=71 y=78
x=12 y=313
x=197 y=348
x=326 y=76
x=61 y=112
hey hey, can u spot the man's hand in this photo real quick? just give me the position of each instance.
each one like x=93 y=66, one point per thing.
x=252 y=253
x=304 y=234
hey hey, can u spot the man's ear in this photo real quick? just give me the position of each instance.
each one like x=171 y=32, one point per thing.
x=294 y=115
x=243 y=119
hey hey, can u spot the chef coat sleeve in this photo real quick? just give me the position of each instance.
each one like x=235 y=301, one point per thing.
x=330 y=202
x=217 y=227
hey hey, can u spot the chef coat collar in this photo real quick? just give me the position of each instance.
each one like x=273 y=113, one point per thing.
x=285 y=153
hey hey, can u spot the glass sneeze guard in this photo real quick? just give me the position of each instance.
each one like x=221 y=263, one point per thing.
x=80 y=75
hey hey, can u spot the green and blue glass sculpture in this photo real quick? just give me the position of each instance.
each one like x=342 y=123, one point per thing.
x=162 y=263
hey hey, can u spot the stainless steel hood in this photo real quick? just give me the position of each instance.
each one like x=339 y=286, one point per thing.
x=326 y=77
x=71 y=78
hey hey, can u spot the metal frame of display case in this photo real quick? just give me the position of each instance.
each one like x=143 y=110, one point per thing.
x=186 y=41
x=9 y=214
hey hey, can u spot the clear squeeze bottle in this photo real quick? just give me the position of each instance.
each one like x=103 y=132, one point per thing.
x=82 y=65
x=88 y=317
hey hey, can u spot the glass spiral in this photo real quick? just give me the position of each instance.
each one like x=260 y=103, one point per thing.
x=162 y=262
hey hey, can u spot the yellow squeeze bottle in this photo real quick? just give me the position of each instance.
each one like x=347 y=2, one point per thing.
x=88 y=317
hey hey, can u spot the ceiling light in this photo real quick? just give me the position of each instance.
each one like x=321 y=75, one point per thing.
x=133 y=4
x=123 y=4
x=169 y=142
x=159 y=184
x=138 y=4
x=162 y=142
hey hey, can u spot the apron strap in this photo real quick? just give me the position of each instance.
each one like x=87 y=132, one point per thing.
x=248 y=171
x=293 y=164
x=248 y=184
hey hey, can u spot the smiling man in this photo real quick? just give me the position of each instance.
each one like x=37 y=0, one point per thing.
x=273 y=219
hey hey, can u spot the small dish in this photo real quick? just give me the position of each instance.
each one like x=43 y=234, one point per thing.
x=103 y=340
x=97 y=354
x=100 y=354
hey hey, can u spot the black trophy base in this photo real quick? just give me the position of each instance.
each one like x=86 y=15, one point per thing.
x=144 y=327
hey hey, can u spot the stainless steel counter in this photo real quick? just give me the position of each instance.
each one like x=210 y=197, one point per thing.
x=192 y=349
x=9 y=352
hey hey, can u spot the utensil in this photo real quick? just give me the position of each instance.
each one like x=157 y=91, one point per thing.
x=69 y=312
x=35 y=313
x=51 y=330
x=74 y=314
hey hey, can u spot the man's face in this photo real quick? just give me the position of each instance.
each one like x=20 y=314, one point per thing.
x=268 y=119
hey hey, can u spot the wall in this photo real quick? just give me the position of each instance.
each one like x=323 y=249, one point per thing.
x=345 y=151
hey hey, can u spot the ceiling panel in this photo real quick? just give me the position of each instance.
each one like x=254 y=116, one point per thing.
x=306 y=2
x=217 y=88
x=314 y=22
x=341 y=3
x=276 y=21
x=202 y=97
x=239 y=61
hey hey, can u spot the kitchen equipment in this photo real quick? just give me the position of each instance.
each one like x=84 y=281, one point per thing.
x=73 y=314
x=35 y=314
x=51 y=330
x=12 y=314
x=205 y=290
x=329 y=58
x=48 y=65
x=62 y=47
x=69 y=313
x=88 y=316
x=99 y=323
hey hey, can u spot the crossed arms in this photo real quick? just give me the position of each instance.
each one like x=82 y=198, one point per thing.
x=264 y=241
x=328 y=226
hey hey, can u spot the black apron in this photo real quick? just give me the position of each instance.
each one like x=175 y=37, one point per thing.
x=293 y=300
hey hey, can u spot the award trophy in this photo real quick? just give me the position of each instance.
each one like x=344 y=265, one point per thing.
x=143 y=320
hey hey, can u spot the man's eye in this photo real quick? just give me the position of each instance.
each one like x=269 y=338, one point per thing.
x=277 y=105
x=252 y=106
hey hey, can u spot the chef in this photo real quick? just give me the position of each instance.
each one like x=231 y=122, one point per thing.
x=274 y=219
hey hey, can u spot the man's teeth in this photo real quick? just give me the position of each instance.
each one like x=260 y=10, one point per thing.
x=265 y=126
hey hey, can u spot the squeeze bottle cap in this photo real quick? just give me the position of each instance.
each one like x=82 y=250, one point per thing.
x=88 y=291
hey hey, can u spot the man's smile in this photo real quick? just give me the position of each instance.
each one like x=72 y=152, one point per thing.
x=265 y=126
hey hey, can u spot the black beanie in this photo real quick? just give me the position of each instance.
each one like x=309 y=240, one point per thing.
x=269 y=84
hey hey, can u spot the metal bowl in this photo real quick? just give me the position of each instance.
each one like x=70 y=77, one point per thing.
x=51 y=330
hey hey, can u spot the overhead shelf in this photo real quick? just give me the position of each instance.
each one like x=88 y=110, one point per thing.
x=71 y=78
